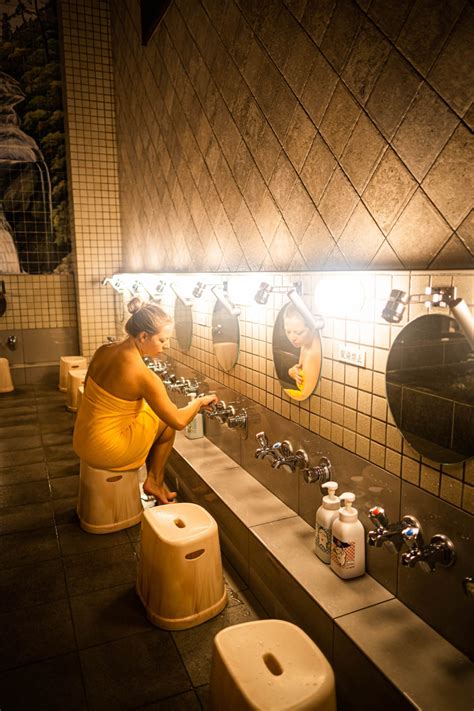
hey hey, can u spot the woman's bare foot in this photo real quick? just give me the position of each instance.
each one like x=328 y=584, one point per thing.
x=160 y=491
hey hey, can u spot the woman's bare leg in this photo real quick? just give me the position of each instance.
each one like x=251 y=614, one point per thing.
x=157 y=457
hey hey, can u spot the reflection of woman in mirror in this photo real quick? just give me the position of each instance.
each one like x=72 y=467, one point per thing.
x=305 y=337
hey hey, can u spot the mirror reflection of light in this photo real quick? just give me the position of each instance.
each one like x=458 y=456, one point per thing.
x=339 y=296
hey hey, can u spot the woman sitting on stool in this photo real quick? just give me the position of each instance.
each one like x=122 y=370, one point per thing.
x=126 y=417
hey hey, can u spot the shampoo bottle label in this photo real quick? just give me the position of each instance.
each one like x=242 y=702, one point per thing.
x=322 y=540
x=343 y=553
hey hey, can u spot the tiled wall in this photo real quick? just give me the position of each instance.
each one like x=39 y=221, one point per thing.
x=92 y=163
x=296 y=135
x=349 y=407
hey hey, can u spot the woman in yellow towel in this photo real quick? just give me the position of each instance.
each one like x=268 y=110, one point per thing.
x=304 y=336
x=126 y=417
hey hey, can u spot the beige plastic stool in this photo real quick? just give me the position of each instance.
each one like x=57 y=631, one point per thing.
x=108 y=501
x=269 y=664
x=65 y=364
x=75 y=378
x=6 y=383
x=180 y=580
x=80 y=393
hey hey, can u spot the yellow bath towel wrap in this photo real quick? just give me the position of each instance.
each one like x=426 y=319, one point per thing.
x=111 y=433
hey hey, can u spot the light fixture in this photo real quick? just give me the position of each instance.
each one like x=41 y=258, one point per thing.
x=339 y=295
x=292 y=291
x=221 y=293
x=444 y=296
x=117 y=283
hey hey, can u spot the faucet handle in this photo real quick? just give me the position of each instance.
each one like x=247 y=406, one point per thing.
x=262 y=439
x=321 y=472
x=378 y=517
x=413 y=537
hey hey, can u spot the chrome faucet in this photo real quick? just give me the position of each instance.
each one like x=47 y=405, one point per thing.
x=190 y=387
x=439 y=551
x=265 y=450
x=293 y=460
x=238 y=419
x=387 y=533
x=178 y=384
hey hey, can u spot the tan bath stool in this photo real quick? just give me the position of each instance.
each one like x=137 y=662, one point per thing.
x=269 y=664
x=6 y=383
x=180 y=580
x=108 y=501
x=75 y=378
x=65 y=365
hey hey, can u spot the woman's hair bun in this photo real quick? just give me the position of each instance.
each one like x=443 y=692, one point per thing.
x=134 y=305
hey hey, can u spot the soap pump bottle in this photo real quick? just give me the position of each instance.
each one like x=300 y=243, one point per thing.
x=195 y=428
x=348 y=541
x=325 y=516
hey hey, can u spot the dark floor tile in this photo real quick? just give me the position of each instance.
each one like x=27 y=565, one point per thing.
x=51 y=439
x=31 y=492
x=26 y=518
x=59 y=424
x=202 y=636
x=139 y=670
x=74 y=540
x=14 y=444
x=28 y=547
x=183 y=702
x=29 y=585
x=203 y=696
x=27 y=456
x=66 y=486
x=100 y=569
x=21 y=420
x=59 y=452
x=31 y=634
x=65 y=510
x=23 y=473
x=10 y=411
x=9 y=431
x=104 y=615
x=52 y=685
x=65 y=467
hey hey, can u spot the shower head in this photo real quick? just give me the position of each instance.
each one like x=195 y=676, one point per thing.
x=264 y=291
x=198 y=289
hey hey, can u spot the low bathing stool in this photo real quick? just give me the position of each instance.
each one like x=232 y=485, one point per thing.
x=109 y=500
x=65 y=364
x=180 y=581
x=6 y=383
x=75 y=378
x=269 y=664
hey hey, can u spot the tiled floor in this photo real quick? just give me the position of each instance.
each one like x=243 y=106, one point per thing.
x=73 y=632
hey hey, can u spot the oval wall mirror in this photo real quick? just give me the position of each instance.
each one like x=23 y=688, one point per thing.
x=430 y=388
x=297 y=353
x=225 y=336
x=183 y=323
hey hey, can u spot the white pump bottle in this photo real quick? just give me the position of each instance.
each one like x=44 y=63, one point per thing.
x=195 y=428
x=325 y=516
x=348 y=541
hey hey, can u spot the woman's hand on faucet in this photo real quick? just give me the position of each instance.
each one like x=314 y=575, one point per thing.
x=206 y=400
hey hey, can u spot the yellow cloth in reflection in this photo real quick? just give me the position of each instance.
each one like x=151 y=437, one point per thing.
x=298 y=391
x=111 y=433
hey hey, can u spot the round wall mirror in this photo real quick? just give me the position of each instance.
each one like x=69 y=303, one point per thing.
x=183 y=324
x=430 y=388
x=297 y=353
x=225 y=336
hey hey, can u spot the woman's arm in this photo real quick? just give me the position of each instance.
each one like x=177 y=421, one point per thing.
x=158 y=399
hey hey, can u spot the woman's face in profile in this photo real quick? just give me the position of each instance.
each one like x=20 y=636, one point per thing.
x=297 y=331
x=161 y=340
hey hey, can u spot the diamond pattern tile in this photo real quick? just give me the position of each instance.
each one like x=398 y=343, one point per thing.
x=317 y=243
x=361 y=238
x=419 y=233
x=338 y=202
x=388 y=190
x=318 y=168
x=300 y=136
x=339 y=119
x=366 y=61
x=319 y=87
x=450 y=182
x=424 y=131
x=362 y=152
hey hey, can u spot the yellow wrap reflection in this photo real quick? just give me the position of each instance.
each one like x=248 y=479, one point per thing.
x=111 y=433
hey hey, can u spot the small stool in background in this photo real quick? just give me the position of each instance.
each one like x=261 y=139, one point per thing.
x=75 y=378
x=6 y=383
x=269 y=664
x=65 y=364
x=180 y=581
x=108 y=500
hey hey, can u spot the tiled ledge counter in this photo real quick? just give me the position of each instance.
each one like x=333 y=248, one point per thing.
x=383 y=655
